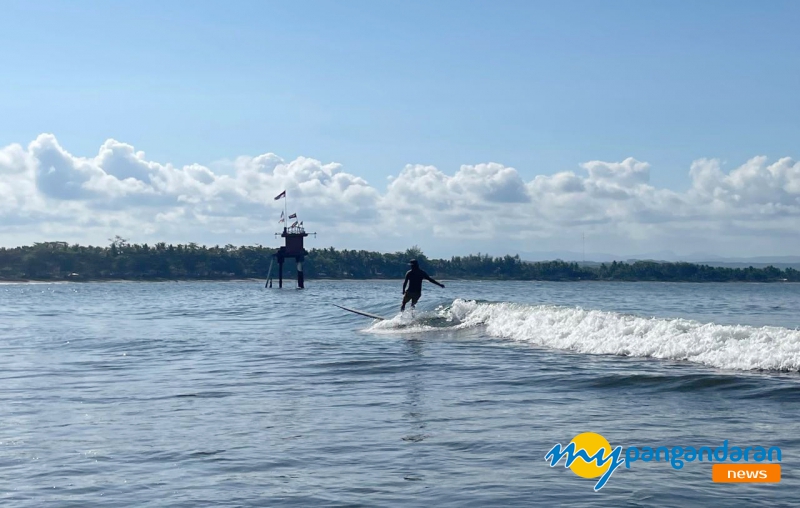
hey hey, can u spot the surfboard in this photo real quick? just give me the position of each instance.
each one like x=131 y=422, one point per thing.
x=361 y=313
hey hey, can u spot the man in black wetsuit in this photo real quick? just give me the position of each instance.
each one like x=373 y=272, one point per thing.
x=414 y=278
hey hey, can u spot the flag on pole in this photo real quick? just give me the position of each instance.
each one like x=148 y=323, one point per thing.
x=301 y=223
x=293 y=224
x=282 y=219
x=281 y=195
x=293 y=216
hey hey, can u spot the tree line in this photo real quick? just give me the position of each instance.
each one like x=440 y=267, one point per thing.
x=54 y=261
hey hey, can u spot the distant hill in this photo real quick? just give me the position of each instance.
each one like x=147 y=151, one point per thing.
x=597 y=258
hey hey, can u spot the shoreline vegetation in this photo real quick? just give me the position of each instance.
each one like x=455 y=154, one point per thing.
x=59 y=261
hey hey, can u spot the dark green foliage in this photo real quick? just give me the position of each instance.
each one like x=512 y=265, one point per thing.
x=122 y=260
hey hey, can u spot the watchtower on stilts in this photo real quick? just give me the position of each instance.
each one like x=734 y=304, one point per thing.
x=292 y=248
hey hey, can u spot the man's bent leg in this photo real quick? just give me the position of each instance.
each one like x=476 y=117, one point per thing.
x=406 y=298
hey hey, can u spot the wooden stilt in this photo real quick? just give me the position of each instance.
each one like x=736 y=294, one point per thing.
x=300 y=278
x=268 y=284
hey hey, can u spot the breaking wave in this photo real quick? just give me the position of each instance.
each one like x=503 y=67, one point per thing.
x=601 y=332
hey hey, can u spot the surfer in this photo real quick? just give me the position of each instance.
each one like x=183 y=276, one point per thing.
x=414 y=278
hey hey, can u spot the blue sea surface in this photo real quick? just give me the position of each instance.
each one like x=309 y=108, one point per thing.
x=229 y=394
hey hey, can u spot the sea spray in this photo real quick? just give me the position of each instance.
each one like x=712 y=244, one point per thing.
x=406 y=322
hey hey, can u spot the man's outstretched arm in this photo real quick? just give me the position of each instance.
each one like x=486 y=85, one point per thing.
x=435 y=282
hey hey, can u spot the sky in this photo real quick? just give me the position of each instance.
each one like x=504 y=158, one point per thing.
x=460 y=127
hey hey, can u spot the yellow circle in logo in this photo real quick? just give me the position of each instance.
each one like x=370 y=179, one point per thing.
x=590 y=442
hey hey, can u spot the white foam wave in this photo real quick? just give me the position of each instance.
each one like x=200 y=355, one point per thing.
x=602 y=332
x=404 y=322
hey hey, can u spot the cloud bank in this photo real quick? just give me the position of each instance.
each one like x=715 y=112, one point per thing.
x=47 y=193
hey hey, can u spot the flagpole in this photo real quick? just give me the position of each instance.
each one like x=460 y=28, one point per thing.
x=285 y=212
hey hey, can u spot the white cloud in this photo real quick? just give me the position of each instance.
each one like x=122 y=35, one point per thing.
x=54 y=194
x=752 y=191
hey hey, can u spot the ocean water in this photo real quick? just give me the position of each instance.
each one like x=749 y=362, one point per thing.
x=228 y=394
